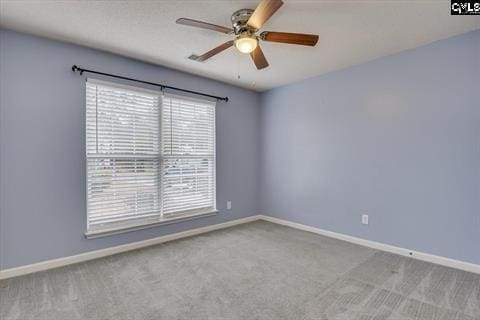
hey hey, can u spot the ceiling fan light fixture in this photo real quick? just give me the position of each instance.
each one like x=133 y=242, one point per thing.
x=246 y=43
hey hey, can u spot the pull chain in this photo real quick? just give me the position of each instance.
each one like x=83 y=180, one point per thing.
x=238 y=67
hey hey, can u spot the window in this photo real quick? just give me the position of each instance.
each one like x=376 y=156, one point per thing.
x=150 y=158
x=188 y=166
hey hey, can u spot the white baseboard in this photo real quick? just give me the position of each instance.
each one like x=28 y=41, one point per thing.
x=60 y=262
x=452 y=263
x=65 y=261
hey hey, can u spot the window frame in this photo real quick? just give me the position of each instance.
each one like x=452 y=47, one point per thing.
x=139 y=223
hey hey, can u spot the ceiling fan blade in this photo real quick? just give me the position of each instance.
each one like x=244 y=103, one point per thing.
x=259 y=58
x=263 y=12
x=212 y=52
x=203 y=25
x=291 y=38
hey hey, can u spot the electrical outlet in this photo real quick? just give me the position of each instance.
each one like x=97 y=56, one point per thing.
x=229 y=205
x=364 y=218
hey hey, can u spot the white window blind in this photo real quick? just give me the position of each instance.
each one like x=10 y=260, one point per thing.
x=149 y=157
x=188 y=166
x=123 y=156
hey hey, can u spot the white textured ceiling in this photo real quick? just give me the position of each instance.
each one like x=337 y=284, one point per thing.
x=351 y=32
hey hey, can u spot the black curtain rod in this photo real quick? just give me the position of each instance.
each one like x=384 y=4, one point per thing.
x=81 y=71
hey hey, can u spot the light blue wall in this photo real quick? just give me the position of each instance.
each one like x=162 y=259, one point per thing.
x=42 y=148
x=397 y=138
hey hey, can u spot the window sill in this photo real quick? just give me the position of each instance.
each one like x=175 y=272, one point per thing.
x=185 y=217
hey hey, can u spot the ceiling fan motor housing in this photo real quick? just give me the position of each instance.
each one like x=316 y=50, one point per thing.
x=239 y=22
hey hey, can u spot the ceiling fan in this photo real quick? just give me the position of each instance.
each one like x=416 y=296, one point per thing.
x=245 y=25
